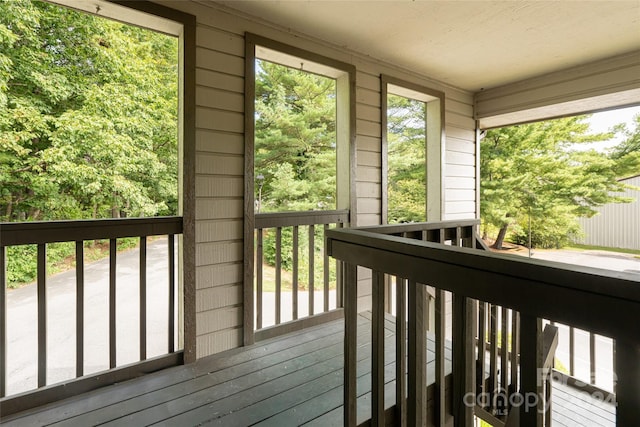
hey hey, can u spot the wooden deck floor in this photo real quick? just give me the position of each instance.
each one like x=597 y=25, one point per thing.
x=287 y=381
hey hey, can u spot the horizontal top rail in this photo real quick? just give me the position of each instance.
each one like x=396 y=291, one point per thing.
x=602 y=301
x=37 y=232
x=289 y=219
x=419 y=226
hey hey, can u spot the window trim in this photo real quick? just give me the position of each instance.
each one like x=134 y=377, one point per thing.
x=435 y=152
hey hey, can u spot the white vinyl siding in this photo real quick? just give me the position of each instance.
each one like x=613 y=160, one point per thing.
x=220 y=159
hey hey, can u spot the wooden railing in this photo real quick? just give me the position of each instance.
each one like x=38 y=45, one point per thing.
x=598 y=301
x=293 y=311
x=44 y=233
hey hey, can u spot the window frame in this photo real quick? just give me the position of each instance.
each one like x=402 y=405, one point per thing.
x=257 y=47
x=434 y=144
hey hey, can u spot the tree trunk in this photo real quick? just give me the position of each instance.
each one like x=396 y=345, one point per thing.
x=500 y=239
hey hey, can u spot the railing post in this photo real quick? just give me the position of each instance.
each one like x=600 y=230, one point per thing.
x=294 y=273
x=259 y=276
x=440 y=332
x=627 y=383
x=79 y=308
x=113 y=250
x=172 y=294
x=417 y=356
x=464 y=366
x=42 y=315
x=401 y=352
x=350 y=343
x=143 y=297
x=377 y=349
x=3 y=320
x=530 y=360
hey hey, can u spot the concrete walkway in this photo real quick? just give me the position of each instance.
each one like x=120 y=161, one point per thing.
x=22 y=333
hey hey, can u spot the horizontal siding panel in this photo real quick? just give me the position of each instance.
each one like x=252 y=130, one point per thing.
x=460 y=195
x=458 y=120
x=219 y=164
x=460 y=207
x=218 y=230
x=218 y=61
x=219 y=99
x=368 y=206
x=219 y=120
x=218 y=297
x=368 y=112
x=460 y=171
x=210 y=276
x=457 y=158
x=365 y=127
x=219 y=186
x=218 y=253
x=219 y=208
x=368 y=219
x=367 y=158
x=219 y=319
x=218 y=80
x=218 y=341
x=368 y=81
x=369 y=143
x=460 y=145
x=467 y=208
x=461 y=133
x=221 y=41
x=458 y=216
x=369 y=174
x=460 y=183
x=219 y=142
x=368 y=97
x=462 y=108
x=368 y=190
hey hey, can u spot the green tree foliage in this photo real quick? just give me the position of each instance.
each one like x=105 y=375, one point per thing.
x=627 y=153
x=538 y=169
x=295 y=139
x=406 y=177
x=88 y=116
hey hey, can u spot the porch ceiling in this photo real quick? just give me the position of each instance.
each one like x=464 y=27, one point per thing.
x=467 y=44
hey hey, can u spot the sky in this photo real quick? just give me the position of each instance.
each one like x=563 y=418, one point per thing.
x=602 y=122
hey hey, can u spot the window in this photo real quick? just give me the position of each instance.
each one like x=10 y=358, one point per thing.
x=299 y=145
x=412 y=152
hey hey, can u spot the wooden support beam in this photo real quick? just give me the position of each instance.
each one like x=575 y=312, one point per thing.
x=350 y=343
x=417 y=356
x=401 y=352
x=377 y=350
x=530 y=361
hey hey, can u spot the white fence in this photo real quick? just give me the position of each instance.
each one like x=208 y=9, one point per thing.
x=617 y=225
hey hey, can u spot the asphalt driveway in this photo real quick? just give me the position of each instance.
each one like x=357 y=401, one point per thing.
x=22 y=347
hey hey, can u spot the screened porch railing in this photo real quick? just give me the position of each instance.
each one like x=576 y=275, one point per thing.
x=44 y=233
x=302 y=257
x=488 y=291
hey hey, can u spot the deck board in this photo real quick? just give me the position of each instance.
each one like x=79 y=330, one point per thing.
x=294 y=379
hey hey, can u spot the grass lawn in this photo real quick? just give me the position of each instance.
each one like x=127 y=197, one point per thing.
x=576 y=247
